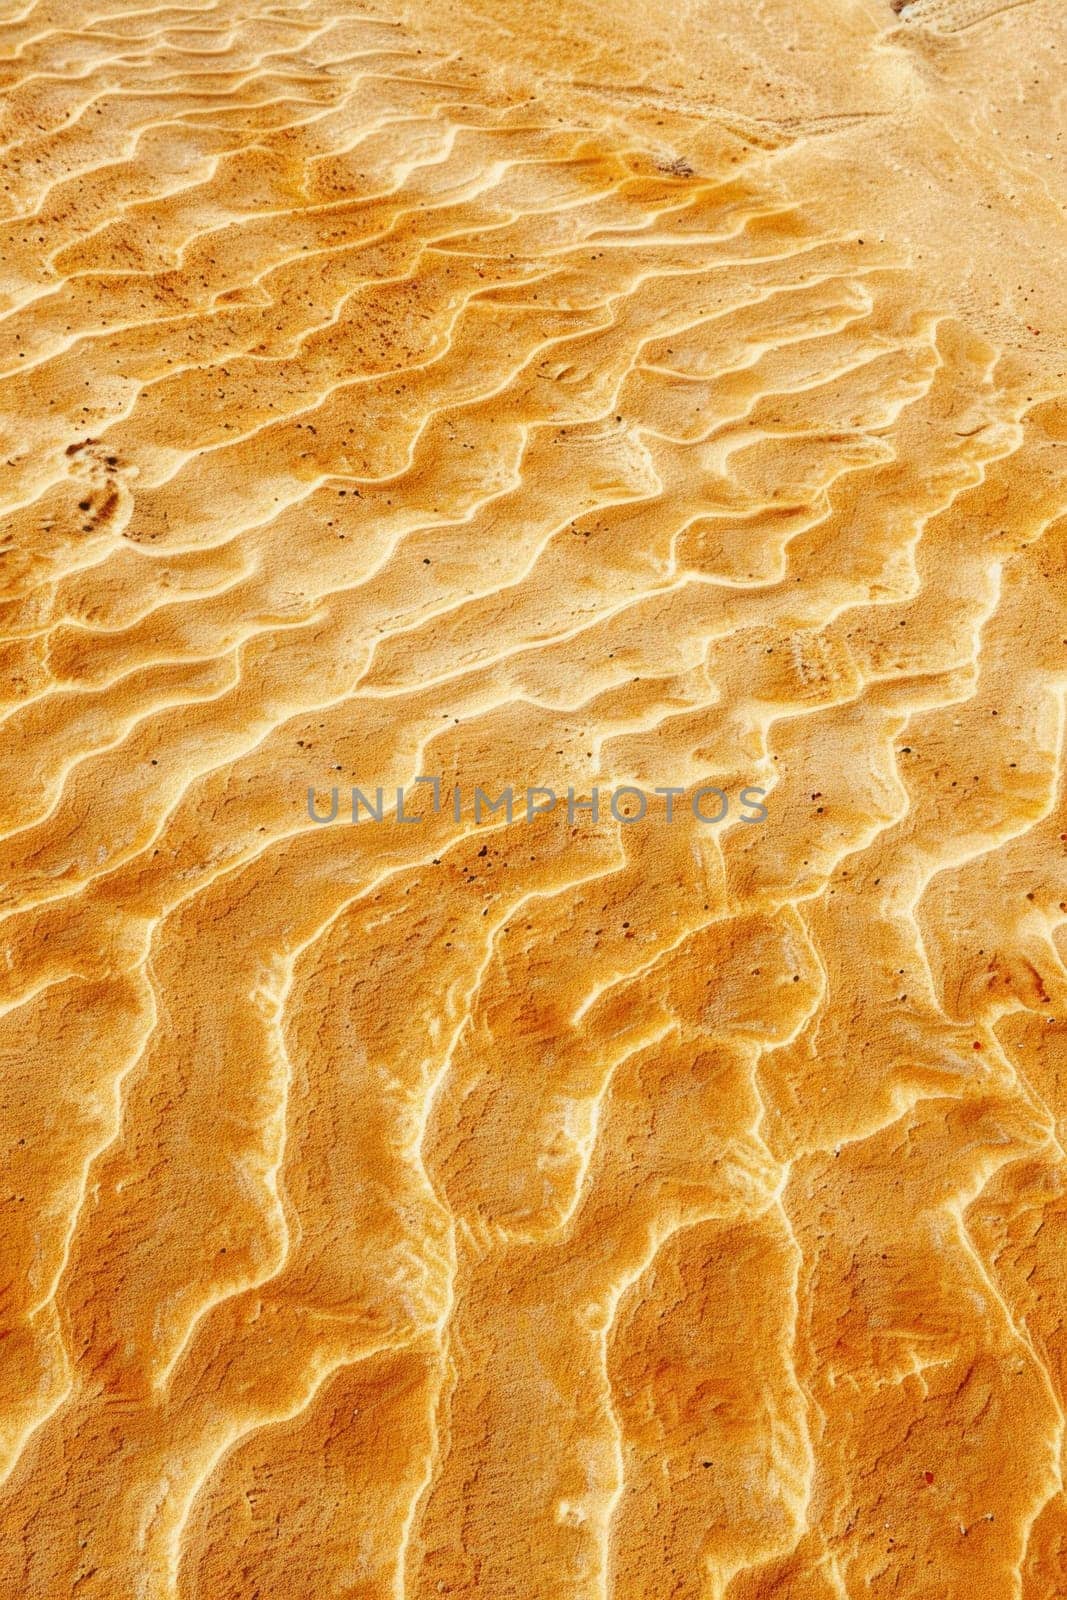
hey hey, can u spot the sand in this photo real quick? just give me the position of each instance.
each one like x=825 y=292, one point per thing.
x=586 y=1206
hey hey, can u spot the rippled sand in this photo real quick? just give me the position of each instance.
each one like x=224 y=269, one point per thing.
x=636 y=394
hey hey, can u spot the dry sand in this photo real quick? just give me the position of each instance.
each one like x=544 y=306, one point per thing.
x=632 y=394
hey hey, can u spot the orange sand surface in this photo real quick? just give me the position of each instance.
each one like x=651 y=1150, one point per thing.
x=524 y=394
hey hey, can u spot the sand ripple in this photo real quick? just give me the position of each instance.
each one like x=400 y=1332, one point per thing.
x=567 y=1209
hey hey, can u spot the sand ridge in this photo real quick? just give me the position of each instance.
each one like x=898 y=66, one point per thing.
x=563 y=1209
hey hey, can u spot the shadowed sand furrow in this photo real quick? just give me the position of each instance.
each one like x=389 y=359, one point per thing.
x=578 y=1205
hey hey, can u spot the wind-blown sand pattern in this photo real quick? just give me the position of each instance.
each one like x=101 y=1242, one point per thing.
x=564 y=1210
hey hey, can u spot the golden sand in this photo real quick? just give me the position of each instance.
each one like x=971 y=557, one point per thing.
x=627 y=394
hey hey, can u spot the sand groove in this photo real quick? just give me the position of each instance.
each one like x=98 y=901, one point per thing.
x=565 y=1209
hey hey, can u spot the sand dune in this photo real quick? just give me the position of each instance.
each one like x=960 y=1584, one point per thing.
x=581 y=1205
